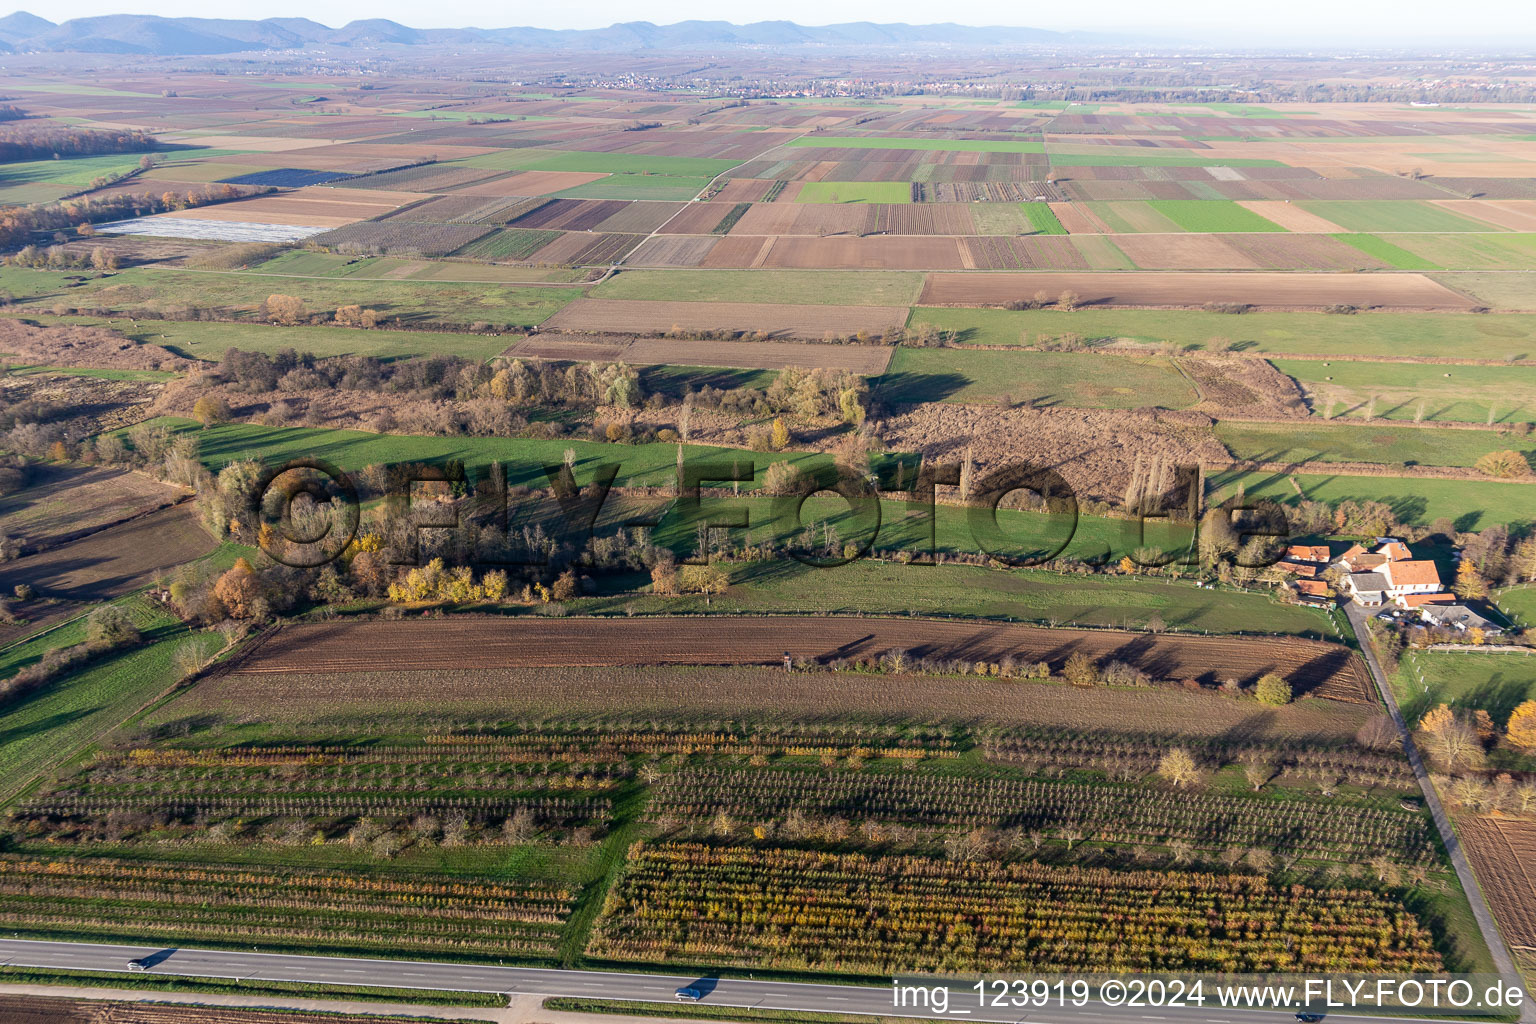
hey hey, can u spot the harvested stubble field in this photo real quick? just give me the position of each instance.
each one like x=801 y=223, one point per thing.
x=1503 y=853
x=626 y=316
x=1277 y=290
x=1313 y=667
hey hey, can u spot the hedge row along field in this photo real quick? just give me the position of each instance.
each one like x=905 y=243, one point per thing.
x=850 y=913
x=107 y=898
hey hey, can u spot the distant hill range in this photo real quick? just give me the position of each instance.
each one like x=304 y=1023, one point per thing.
x=145 y=34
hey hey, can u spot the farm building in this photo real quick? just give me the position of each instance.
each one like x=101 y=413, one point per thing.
x=1388 y=574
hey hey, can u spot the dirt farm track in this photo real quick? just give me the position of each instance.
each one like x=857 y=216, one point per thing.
x=1313 y=667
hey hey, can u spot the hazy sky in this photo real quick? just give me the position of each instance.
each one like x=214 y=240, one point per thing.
x=1320 y=22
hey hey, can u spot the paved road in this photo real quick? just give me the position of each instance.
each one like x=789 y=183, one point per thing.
x=1502 y=961
x=779 y=995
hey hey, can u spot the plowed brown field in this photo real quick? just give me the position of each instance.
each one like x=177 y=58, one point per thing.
x=1278 y=290
x=1313 y=667
x=1503 y=856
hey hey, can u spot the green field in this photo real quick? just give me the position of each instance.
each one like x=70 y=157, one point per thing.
x=1043 y=219
x=1392 y=255
x=1429 y=391
x=1080 y=380
x=76 y=170
x=1392 y=215
x=1425 y=446
x=1212 y=215
x=59 y=719
x=1470 y=504
x=820 y=141
x=1509 y=251
x=855 y=192
x=206 y=340
x=1366 y=334
x=811 y=287
x=302 y=263
x=1016 y=219
x=596 y=163
x=638 y=187
x=508 y=244
x=351 y=450
x=1519 y=605
x=871 y=586
x=170 y=290
x=1498 y=291
x=1496 y=683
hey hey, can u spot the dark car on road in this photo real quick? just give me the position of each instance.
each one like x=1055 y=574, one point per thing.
x=1309 y=1018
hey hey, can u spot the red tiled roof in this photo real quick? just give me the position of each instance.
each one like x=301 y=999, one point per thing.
x=1312 y=588
x=1297 y=568
x=1408 y=574
x=1419 y=600
x=1307 y=552
x=1396 y=550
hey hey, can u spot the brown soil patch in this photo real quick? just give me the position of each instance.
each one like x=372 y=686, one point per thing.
x=1251 y=387
x=1301 y=252
x=61 y=502
x=1515 y=214
x=695 y=219
x=96 y=347
x=1503 y=854
x=115 y=561
x=1094 y=449
x=1183 y=252
x=1077 y=220
x=1313 y=667
x=638 y=316
x=882 y=252
x=738 y=251
x=1289 y=216
x=763 y=693
x=1274 y=290
x=743 y=190
x=673 y=251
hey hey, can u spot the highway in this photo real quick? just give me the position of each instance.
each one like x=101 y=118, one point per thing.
x=733 y=992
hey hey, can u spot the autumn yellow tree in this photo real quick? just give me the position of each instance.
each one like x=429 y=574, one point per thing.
x=1470 y=585
x=1273 y=690
x=1521 y=729
x=1505 y=465
x=283 y=309
x=211 y=409
x=780 y=436
x=1178 y=767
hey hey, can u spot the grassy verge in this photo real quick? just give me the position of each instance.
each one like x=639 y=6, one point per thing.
x=12 y=975
x=694 y=1011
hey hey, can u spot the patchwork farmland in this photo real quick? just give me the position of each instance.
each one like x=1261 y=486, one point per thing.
x=863 y=698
